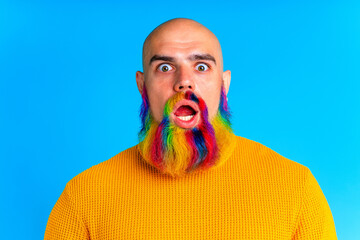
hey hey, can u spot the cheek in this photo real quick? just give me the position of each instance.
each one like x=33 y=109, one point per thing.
x=159 y=90
x=214 y=105
x=156 y=107
x=157 y=101
x=211 y=95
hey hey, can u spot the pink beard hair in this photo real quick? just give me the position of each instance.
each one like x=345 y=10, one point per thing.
x=177 y=151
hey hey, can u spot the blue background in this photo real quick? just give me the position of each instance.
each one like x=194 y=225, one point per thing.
x=68 y=97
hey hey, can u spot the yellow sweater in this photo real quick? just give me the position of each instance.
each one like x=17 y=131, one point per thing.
x=256 y=194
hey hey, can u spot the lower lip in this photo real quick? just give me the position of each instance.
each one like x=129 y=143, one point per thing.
x=186 y=124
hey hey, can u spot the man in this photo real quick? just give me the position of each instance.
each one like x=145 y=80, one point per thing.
x=190 y=177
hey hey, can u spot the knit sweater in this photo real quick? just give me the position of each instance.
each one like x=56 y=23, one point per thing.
x=255 y=194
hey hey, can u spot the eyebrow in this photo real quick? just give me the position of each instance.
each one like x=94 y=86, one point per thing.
x=202 y=57
x=192 y=58
x=161 y=58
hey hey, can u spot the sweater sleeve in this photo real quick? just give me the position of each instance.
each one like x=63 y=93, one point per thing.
x=315 y=220
x=64 y=222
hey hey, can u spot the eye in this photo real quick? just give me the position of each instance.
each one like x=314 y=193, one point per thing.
x=165 y=67
x=202 y=67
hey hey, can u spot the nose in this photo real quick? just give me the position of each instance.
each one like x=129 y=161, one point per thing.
x=184 y=80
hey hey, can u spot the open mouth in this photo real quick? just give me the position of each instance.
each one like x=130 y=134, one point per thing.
x=186 y=114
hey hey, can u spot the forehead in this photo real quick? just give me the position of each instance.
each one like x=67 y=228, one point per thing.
x=182 y=42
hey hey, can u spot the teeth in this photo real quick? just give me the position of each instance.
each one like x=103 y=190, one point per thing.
x=186 y=118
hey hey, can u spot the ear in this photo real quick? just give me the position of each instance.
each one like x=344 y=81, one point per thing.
x=226 y=80
x=140 y=81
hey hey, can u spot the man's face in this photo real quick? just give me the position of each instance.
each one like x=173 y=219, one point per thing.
x=180 y=58
x=185 y=125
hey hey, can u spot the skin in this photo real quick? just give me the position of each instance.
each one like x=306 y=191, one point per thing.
x=180 y=40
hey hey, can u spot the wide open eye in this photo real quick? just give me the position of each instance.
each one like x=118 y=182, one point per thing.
x=165 y=67
x=202 y=67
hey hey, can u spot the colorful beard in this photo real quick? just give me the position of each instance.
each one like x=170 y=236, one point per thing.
x=177 y=151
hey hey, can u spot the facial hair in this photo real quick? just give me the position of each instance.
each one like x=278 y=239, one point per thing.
x=177 y=151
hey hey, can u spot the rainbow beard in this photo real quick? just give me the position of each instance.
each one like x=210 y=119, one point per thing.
x=177 y=151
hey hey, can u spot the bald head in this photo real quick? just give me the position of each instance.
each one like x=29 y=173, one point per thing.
x=183 y=31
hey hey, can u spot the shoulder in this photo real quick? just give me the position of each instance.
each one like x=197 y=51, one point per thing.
x=100 y=174
x=268 y=161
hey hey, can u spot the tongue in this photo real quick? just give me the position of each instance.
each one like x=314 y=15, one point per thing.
x=184 y=111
